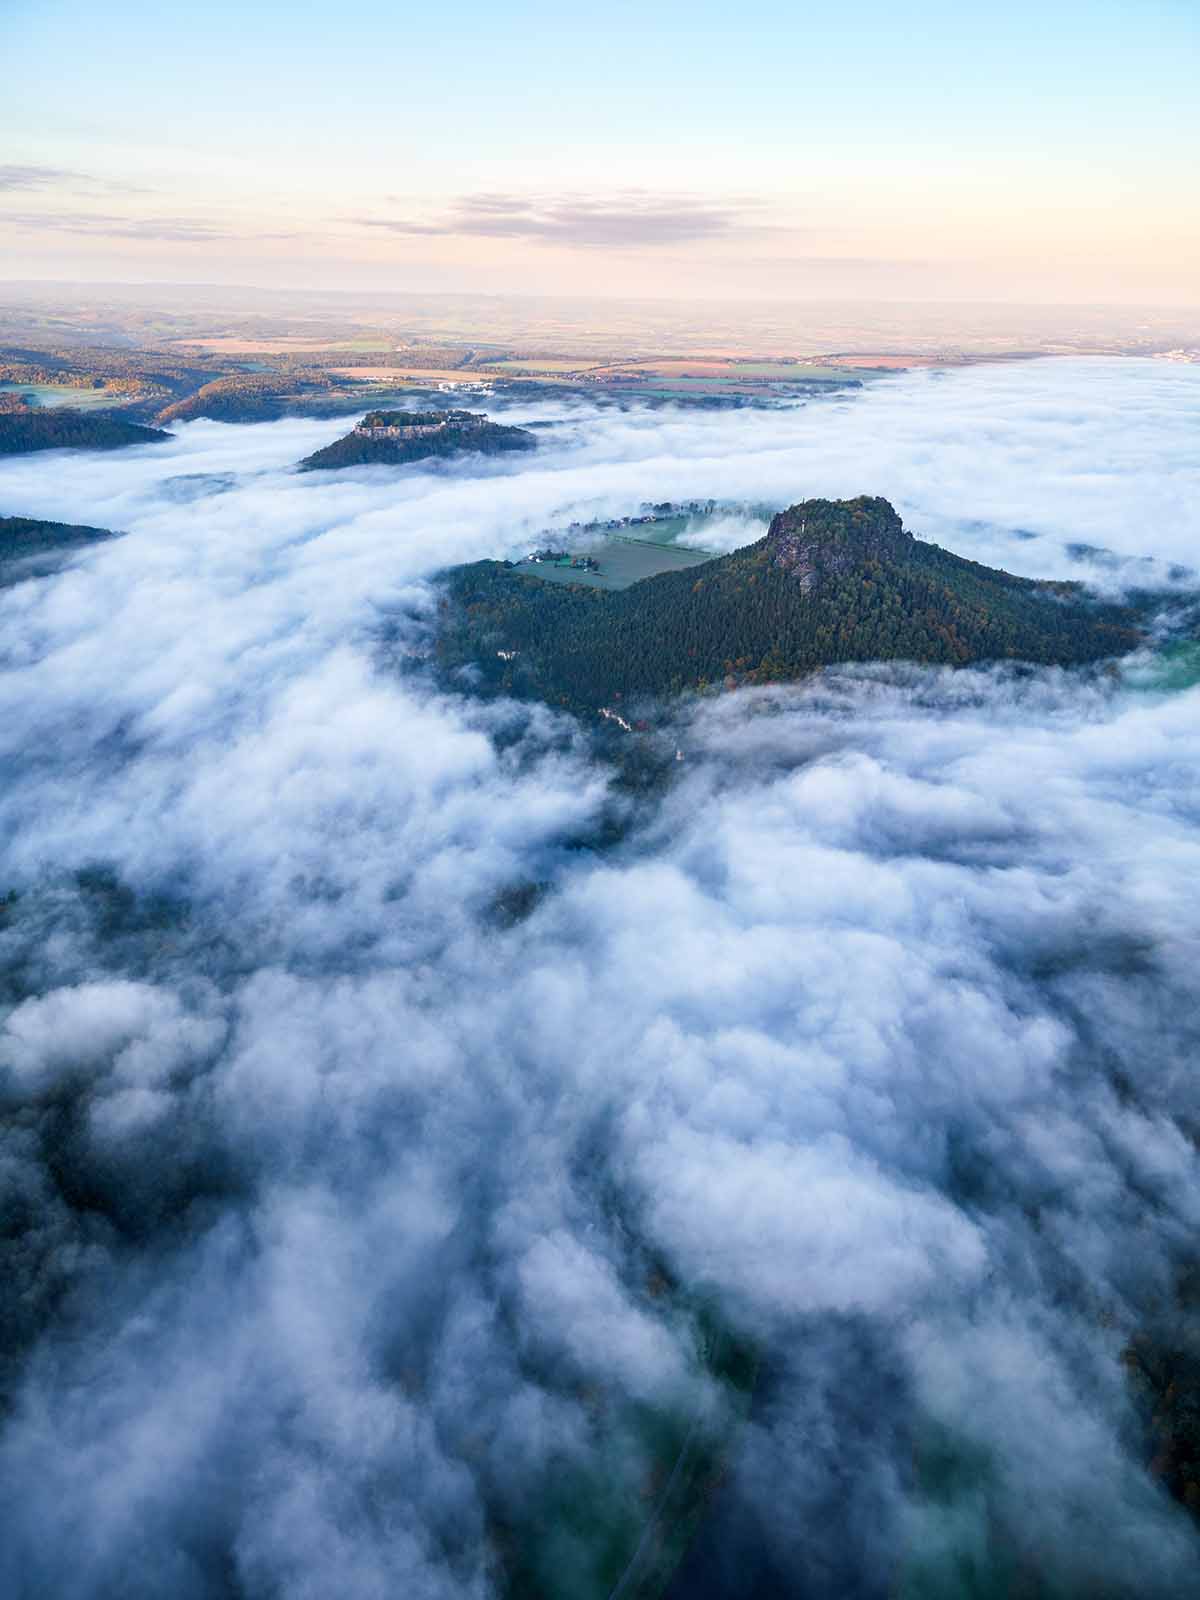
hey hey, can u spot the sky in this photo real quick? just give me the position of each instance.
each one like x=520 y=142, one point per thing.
x=1025 y=153
x=400 y=1105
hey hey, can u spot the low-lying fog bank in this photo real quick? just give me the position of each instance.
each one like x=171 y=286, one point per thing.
x=403 y=1110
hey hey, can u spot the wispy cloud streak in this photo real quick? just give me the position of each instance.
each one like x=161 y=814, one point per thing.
x=14 y=177
x=182 y=230
x=623 y=222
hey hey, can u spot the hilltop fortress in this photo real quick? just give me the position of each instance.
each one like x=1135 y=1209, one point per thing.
x=395 y=438
x=417 y=424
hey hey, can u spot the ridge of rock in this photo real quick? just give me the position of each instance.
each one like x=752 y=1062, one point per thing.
x=819 y=537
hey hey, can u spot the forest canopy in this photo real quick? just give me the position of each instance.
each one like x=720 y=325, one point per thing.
x=831 y=581
x=60 y=428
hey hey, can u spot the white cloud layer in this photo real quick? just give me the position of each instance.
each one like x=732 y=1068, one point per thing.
x=358 y=1223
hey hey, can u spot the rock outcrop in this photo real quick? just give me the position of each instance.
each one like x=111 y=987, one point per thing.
x=819 y=538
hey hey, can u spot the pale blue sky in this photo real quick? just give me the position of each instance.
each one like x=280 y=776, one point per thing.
x=733 y=149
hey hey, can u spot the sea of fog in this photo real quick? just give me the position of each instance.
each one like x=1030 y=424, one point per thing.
x=404 y=1113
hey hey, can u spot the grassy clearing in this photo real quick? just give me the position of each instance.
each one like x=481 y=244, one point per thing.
x=61 y=394
x=622 y=562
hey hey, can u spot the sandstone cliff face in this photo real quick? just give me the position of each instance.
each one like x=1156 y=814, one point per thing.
x=830 y=537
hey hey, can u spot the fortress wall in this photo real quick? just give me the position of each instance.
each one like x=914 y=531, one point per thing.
x=415 y=430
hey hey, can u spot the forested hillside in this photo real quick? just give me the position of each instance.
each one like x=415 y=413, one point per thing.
x=831 y=581
x=362 y=448
x=61 y=428
x=31 y=547
x=250 y=397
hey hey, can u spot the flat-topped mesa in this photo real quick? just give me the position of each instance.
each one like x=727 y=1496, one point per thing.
x=397 y=438
x=416 y=424
x=819 y=537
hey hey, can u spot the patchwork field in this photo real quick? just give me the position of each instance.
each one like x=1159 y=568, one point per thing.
x=409 y=374
x=61 y=394
x=893 y=363
x=286 y=344
x=622 y=562
x=713 y=375
x=553 y=366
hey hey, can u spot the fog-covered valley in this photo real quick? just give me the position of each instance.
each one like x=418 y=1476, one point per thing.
x=426 y=1143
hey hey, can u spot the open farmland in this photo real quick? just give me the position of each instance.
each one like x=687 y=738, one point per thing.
x=424 y=375
x=286 y=344
x=711 y=375
x=62 y=394
x=894 y=363
x=554 y=365
x=622 y=561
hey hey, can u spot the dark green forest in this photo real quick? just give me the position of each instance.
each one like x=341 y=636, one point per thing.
x=31 y=547
x=61 y=428
x=832 y=581
x=357 y=449
x=246 y=397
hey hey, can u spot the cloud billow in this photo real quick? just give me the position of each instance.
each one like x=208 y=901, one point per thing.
x=358 y=1229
